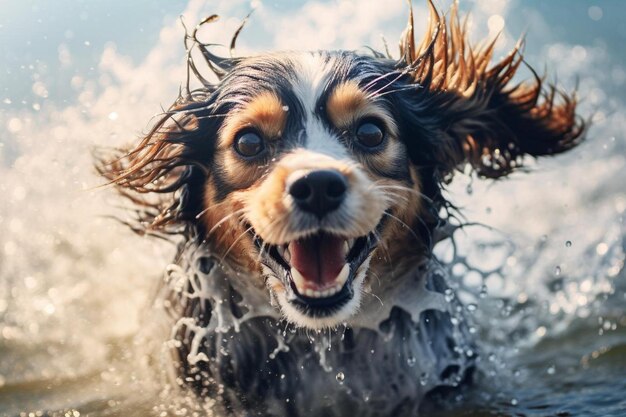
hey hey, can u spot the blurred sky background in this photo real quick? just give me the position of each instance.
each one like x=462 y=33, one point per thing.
x=53 y=51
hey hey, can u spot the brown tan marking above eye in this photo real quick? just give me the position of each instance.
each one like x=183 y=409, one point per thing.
x=348 y=103
x=344 y=102
x=265 y=113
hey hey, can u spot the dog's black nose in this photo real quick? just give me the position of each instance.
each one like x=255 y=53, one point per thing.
x=319 y=192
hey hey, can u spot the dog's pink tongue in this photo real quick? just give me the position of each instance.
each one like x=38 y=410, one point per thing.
x=319 y=259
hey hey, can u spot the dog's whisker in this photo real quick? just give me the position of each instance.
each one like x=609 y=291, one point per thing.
x=206 y=210
x=375 y=95
x=407 y=189
x=390 y=191
x=387 y=195
x=212 y=116
x=375 y=296
x=404 y=225
x=235 y=242
x=400 y=75
x=224 y=219
x=382 y=91
x=385 y=248
x=375 y=275
x=260 y=233
x=372 y=82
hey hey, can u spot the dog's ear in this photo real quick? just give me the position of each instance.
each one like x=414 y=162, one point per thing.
x=164 y=175
x=157 y=174
x=467 y=110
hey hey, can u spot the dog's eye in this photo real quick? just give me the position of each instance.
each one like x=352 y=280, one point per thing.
x=249 y=144
x=370 y=134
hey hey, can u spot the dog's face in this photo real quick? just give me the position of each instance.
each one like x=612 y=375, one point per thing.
x=313 y=172
x=311 y=179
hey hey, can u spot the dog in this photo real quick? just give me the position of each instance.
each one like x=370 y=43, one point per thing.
x=307 y=190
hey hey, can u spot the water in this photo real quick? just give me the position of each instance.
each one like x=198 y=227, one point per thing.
x=76 y=332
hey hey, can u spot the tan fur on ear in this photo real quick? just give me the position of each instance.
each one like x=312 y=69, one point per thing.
x=490 y=122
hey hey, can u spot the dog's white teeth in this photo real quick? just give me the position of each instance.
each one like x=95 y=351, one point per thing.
x=321 y=294
x=347 y=246
x=343 y=276
x=286 y=254
x=300 y=283
x=298 y=279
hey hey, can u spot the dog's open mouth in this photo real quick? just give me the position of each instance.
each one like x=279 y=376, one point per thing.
x=318 y=270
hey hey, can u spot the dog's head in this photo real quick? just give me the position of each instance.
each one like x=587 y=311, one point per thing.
x=316 y=171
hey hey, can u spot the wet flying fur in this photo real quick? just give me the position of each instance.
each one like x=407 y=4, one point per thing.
x=442 y=105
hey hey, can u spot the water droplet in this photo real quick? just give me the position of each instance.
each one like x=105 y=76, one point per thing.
x=423 y=379
x=285 y=108
x=483 y=291
x=568 y=244
x=551 y=370
x=557 y=271
x=471 y=307
x=541 y=331
x=595 y=13
x=411 y=361
x=513 y=401
x=372 y=351
x=602 y=248
x=340 y=377
x=449 y=295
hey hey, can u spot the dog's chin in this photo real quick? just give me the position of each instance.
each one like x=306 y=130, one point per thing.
x=317 y=279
